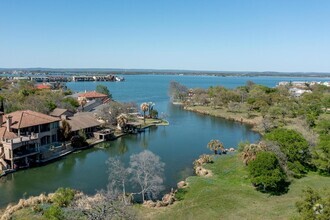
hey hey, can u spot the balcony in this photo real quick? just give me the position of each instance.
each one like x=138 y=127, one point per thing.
x=25 y=153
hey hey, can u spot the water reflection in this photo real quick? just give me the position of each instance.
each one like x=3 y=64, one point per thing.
x=123 y=148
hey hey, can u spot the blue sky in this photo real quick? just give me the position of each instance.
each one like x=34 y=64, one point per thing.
x=264 y=35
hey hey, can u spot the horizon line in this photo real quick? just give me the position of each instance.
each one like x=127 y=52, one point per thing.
x=156 y=69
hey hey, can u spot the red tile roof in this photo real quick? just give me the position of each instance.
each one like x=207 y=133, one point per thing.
x=92 y=94
x=42 y=86
x=23 y=119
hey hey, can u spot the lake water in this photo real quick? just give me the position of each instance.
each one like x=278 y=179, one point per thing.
x=177 y=144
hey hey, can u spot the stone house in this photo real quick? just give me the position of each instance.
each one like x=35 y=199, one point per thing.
x=23 y=135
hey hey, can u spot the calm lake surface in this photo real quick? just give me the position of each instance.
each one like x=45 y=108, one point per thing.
x=177 y=144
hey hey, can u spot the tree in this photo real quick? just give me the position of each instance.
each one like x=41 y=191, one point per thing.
x=146 y=171
x=294 y=146
x=65 y=130
x=79 y=140
x=178 y=92
x=321 y=155
x=150 y=107
x=153 y=113
x=104 y=205
x=215 y=145
x=110 y=112
x=83 y=102
x=104 y=90
x=117 y=178
x=266 y=173
x=144 y=107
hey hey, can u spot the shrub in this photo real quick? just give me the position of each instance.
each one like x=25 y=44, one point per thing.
x=179 y=195
x=78 y=141
x=313 y=205
x=266 y=173
x=37 y=208
x=63 y=197
x=54 y=212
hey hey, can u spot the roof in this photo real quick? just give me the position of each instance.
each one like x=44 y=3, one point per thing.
x=43 y=86
x=83 y=120
x=24 y=119
x=92 y=94
x=57 y=112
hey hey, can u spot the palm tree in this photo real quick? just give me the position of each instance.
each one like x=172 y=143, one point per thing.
x=215 y=145
x=83 y=102
x=144 y=107
x=121 y=121
x=250 y=152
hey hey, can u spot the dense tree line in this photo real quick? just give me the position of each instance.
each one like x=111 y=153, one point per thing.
x=23 y=95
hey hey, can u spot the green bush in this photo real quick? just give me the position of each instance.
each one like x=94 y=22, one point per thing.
x=54 y=212
x=79 y=141
x=266 y=173
x=179 y=195
x=314 y=206
x=294 y=146
x=63 y=197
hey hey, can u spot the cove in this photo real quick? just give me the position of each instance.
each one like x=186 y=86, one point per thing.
x=177 y=144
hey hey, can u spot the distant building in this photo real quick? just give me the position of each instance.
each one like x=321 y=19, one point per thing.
x=43 y=86
x=298 y=92
x=92 y=95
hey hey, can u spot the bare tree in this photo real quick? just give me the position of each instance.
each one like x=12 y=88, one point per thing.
x=146 y=171
x=177 y=91
x=118 y=175
x=103 y=205
x=110 y=112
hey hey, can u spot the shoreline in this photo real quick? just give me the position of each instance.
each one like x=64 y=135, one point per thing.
x=237 y=117
x=90 y=145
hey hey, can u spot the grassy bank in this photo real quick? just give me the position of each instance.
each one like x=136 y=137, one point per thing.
x=243 y=117
x=230 y=195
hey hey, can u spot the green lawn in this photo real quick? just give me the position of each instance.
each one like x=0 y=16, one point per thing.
x=226 y=195
x=229 y=195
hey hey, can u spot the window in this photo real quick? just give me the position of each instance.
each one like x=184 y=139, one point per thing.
x=54 y=125
x=44 y=127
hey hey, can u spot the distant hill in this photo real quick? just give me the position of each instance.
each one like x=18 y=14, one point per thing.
x=165 y=71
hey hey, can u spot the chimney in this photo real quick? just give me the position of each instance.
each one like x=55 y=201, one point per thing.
x=1 y=118
x=8 y=119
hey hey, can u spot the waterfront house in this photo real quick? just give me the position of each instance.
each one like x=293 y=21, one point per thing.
x=91 y=100
x=92 y=95
x=24 y=135
x=84 y=121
